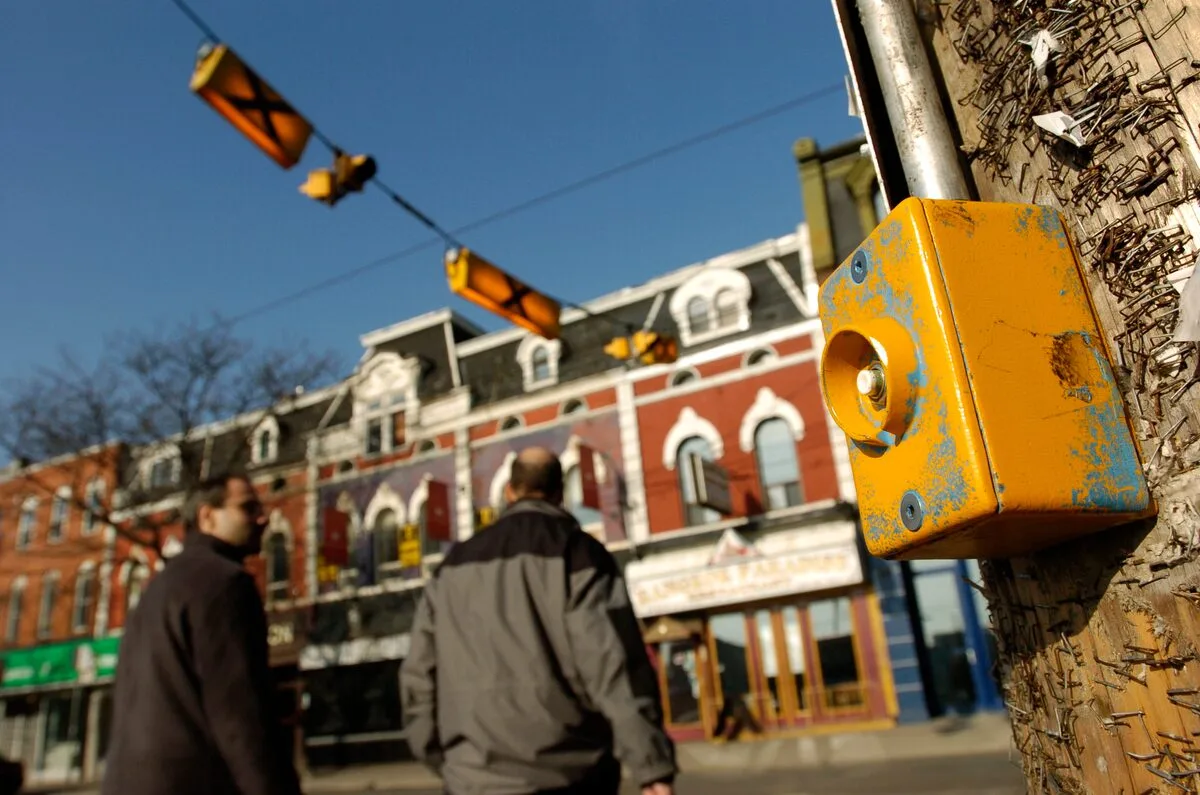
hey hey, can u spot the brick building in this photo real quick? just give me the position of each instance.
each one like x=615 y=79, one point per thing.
x=80 y=538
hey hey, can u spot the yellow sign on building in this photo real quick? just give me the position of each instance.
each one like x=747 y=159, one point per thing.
x=410 y=546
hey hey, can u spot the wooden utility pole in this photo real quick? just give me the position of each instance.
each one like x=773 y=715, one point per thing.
x=1099 y=640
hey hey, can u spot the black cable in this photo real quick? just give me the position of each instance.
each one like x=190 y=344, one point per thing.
x=208 y=32
x=537 y=201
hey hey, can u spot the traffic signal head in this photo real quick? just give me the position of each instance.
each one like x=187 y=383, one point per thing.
x=618 y=348
x=482 y=283
x=654 y=348
x=353 y=172
x=246 y=101
x=350 y=173
x=321 y=185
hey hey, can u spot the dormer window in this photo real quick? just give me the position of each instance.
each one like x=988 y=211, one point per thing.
x=161 y=469
x=712 y=304
x=385 y=400
x=538 y=358
x=264 y=442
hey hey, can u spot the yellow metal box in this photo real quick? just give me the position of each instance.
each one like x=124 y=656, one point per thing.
x=964 y=361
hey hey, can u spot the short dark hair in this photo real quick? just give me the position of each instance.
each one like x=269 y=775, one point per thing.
x=211 y=492
x=543 y=477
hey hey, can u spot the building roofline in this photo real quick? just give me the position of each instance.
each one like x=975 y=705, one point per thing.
x=739 y=258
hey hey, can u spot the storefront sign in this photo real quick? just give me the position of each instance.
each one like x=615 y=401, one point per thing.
x=286 y=635
x=747 y=579
x=82 y=662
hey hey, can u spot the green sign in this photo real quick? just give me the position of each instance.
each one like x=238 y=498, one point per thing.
x=74 y=662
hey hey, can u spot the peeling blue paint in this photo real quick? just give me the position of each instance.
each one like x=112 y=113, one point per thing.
x=1051 y=225
x=1113 y=478
x=948 y=488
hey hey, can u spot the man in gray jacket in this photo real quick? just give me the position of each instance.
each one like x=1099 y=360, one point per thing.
x=527 y=673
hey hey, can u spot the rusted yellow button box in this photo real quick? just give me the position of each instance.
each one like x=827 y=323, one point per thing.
x=965 y=364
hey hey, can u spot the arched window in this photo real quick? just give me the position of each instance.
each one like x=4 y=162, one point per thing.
x=279 y=566
x=778 y=466
x=94 y=498
x=386 y=537
x=16 y=604
x=541 y=364
x=510 y=424
x=693 y=514
x=683 y=377
x=27 y=522
x=573 y=406
x=135 y=585
x=573 y=499
x=45 y=623
x=59 y=509
x=85 y=598
x=727 y=308
x=697 y=312
x=759 y=356
x=265 y=440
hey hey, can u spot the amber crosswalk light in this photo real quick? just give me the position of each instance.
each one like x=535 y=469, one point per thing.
x=247 y=102
x=482 y=283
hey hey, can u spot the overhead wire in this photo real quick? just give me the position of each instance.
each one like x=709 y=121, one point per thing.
x=450 y=237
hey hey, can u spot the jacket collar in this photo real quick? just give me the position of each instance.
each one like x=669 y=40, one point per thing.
x=197 y=540
x=535 y=505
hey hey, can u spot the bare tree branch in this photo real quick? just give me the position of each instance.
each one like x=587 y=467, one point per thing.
x=149 y=387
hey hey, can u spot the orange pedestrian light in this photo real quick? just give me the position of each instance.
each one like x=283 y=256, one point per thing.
x=235 y=91
x=484 y=284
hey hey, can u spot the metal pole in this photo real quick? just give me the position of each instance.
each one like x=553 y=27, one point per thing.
x=919 y=122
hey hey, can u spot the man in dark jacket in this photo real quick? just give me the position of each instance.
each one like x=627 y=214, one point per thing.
x=527 y=672
x=192 y=703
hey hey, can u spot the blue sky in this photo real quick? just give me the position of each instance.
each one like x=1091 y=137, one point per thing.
x=127 y=201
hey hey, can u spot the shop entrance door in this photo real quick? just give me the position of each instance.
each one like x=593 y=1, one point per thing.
x=682 y=661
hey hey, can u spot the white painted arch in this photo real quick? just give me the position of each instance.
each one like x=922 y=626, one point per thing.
x=767 y=406
x=570 y=459
x=499 y=480
x=385 y=498
x=687 y=425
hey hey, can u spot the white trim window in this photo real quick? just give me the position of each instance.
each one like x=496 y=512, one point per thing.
x=264 y=442
x=539 y=359
x=93 y=512
x=60 y=514
x=16 y=605
x=50 y=586
x=385 y=402
x=161 y=468
x=691 y=433
x=770 y=429
x=134 y=578
x=85 y=597
x=712 y=304
x=27 y=523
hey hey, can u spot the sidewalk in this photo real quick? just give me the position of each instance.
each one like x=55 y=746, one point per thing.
x=945 y=737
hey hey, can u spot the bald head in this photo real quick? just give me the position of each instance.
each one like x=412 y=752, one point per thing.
x=536 y=473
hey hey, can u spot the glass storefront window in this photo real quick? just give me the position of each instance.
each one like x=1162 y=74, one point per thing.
x=729 y=635
x=682 y=682
x=833 y=632
x=770 y=662
x=944 y=631
x=62 y=740
x=797 y=658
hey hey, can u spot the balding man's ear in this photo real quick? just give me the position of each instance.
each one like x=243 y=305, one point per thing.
x=510 y=494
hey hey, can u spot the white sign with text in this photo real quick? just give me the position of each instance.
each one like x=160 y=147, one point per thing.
x=746 y=580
